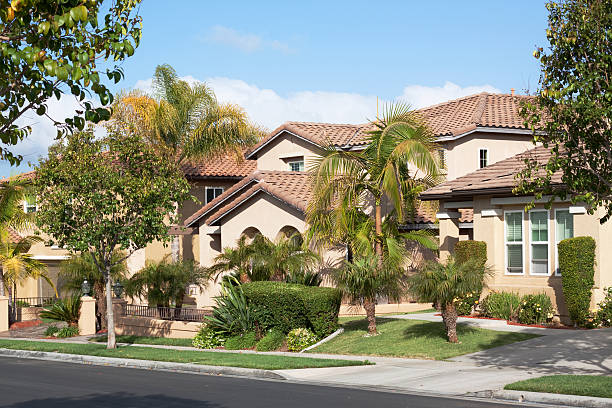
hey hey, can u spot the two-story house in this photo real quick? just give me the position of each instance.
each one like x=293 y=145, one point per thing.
x=473 y=132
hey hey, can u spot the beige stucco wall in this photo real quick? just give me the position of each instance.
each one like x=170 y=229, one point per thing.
x=491 y=230
x=462 y=155
x=283 y=149
x=198 y=190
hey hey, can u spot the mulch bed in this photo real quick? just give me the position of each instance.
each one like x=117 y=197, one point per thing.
x=27 y=323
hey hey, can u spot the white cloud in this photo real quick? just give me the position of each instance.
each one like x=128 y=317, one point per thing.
x=246 y=42
x=420 y=96
x=266 y=107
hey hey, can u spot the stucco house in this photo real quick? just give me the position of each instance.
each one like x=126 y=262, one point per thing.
x=473 y=132
x=521 y=245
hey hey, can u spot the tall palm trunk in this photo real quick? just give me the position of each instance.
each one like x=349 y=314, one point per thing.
x=2 y=289
x=370 y=308
x=449 y=317
x=111 y=343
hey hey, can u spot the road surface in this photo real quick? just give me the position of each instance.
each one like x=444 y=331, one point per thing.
x=45 y=384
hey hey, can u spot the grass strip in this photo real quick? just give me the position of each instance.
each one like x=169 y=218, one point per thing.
x=585 y=385
x=265 y=362
x=160 y=341
x=415 y=339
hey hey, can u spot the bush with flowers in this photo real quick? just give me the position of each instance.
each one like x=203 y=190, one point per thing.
x=604 y=315
x=467 y=304
x=535 y=309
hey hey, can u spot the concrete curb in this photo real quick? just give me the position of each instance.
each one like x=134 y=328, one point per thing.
x=143 y=364
x=328 y=338
x=547 y=398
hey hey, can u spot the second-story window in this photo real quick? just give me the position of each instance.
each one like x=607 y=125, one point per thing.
x=483 y=158
x=212 y=193
x=297 y=165
x=29 y=205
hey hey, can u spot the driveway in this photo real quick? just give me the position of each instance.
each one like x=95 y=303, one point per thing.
x=567 y=352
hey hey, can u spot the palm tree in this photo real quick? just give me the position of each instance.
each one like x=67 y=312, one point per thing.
x=264 y=259
x=447 y=283
x=16 y=265
x=185 y=121
x=350 y=188
x=163 y=283
x=81 y=267
x=12 y=195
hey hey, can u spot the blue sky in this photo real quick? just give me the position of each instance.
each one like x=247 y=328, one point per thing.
x=329 y=60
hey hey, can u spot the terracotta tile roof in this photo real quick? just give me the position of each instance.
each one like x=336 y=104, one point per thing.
x=498 y=177
x=427 y=215
x=222 y=166
x=292 y=188
x=29 y=175
x=481 y=110
x=450 y=118
x=13 y=236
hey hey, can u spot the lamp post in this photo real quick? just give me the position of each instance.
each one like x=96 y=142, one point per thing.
x=85 y=288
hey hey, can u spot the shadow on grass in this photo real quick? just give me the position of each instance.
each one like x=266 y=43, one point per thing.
x=119 y=400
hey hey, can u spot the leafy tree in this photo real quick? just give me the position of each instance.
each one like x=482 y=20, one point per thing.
x=81 y=267
x=572 y=112
x=164 y=283
x=48 y=48
x=446 y=284
x=99 y=195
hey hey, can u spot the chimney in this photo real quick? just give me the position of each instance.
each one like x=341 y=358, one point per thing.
x=512 y=91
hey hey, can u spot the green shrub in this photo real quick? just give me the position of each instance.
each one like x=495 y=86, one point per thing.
x=68 y=331
x=207 y=338
x=242 y=341
x=604 y=314
x=273 y=340
x=300 y=338
x=231 y=314
x=66 y=310
x=501 y=305
x=577 y=264
x=470 y=251
x=287 y=306
x=535 y=309
x=51 y=331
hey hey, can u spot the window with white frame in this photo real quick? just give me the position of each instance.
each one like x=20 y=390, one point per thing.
x=296 y=165
x=483 y=158
x=538 y=224
x=29 y=205
x=514 y=242
x=212 y=193
x=564 y=228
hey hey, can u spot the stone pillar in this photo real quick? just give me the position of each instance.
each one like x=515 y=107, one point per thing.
x=87 y=318
x=449 y=233
x=4 y=313
x=118 y=308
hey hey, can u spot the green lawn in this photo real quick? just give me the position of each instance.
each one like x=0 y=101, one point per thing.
x=415 y=339
x=589 y=385
x=147 y=340
x=266 y=362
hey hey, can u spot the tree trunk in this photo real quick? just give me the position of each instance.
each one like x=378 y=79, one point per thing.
x=449 y=316
x=370 y=308
x=111 y=343
x=2 y=289
x=98 y=290
x=378 y=225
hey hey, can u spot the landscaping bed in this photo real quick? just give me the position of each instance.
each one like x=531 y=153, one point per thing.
x=585 y=385
x=265 y=362
x=163 y=341
x=415 y=339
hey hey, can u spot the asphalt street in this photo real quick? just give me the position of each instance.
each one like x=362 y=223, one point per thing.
x=35 y=383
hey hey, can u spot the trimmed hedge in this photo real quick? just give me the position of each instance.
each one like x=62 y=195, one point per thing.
x=466 y=251
x=577 y=264
x=288 y=306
